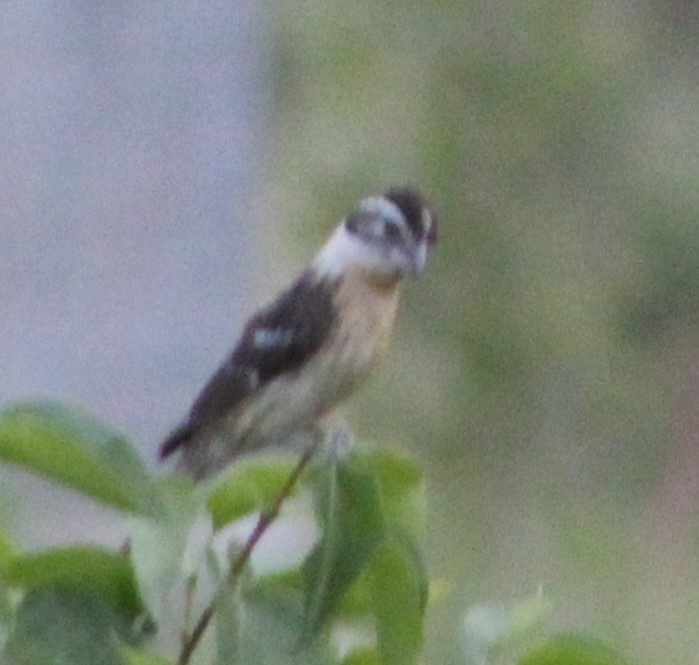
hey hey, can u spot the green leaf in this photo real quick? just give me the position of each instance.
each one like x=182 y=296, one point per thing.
x=93 y=571
x=132 y=656
x=6 y=616
x=398 y=603
x=284 y=582
x=247 y=486
x=7 y=551
x=353 y=526
x=363 y=657
x=265 y=631
x=60 y=627
x=166 y=552
x=77 y=450
x=360 y=597
x=228 y=626
x=157 y=555
x=400 y=483
x=7 y=555
x=574 y=650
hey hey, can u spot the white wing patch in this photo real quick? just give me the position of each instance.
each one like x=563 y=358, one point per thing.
x=270 y=338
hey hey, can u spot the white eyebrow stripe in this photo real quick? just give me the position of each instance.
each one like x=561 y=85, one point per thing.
x=268 y=338
x=383 y=207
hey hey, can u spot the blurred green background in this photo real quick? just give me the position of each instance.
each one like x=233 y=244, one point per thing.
x=546 y=367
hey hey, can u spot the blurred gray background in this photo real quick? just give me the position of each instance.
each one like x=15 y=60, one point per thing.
x=130 y=154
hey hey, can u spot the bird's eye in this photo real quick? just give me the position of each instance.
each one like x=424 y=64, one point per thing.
x=391 y=231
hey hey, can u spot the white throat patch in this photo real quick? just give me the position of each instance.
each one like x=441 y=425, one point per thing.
x=345 y=250
x=342 y=252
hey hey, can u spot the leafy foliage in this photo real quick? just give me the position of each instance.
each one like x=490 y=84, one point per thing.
x=88 y=604
x=185 y=565
x=247 y=486
x=398 y=605
x=351 y=512
x=77 y=450
x=573 y=650
x=89 y=571
x=55 y=626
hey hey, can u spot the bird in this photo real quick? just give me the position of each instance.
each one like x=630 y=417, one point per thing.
x=314 y=345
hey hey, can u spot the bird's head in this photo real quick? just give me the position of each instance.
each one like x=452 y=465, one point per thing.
x=388 y=237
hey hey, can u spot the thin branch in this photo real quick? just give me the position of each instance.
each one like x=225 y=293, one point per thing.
x=264 y=521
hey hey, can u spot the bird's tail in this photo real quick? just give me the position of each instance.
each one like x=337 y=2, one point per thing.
x=179 y=437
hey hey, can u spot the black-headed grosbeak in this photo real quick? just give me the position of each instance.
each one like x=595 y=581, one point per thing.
x=308 y=350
